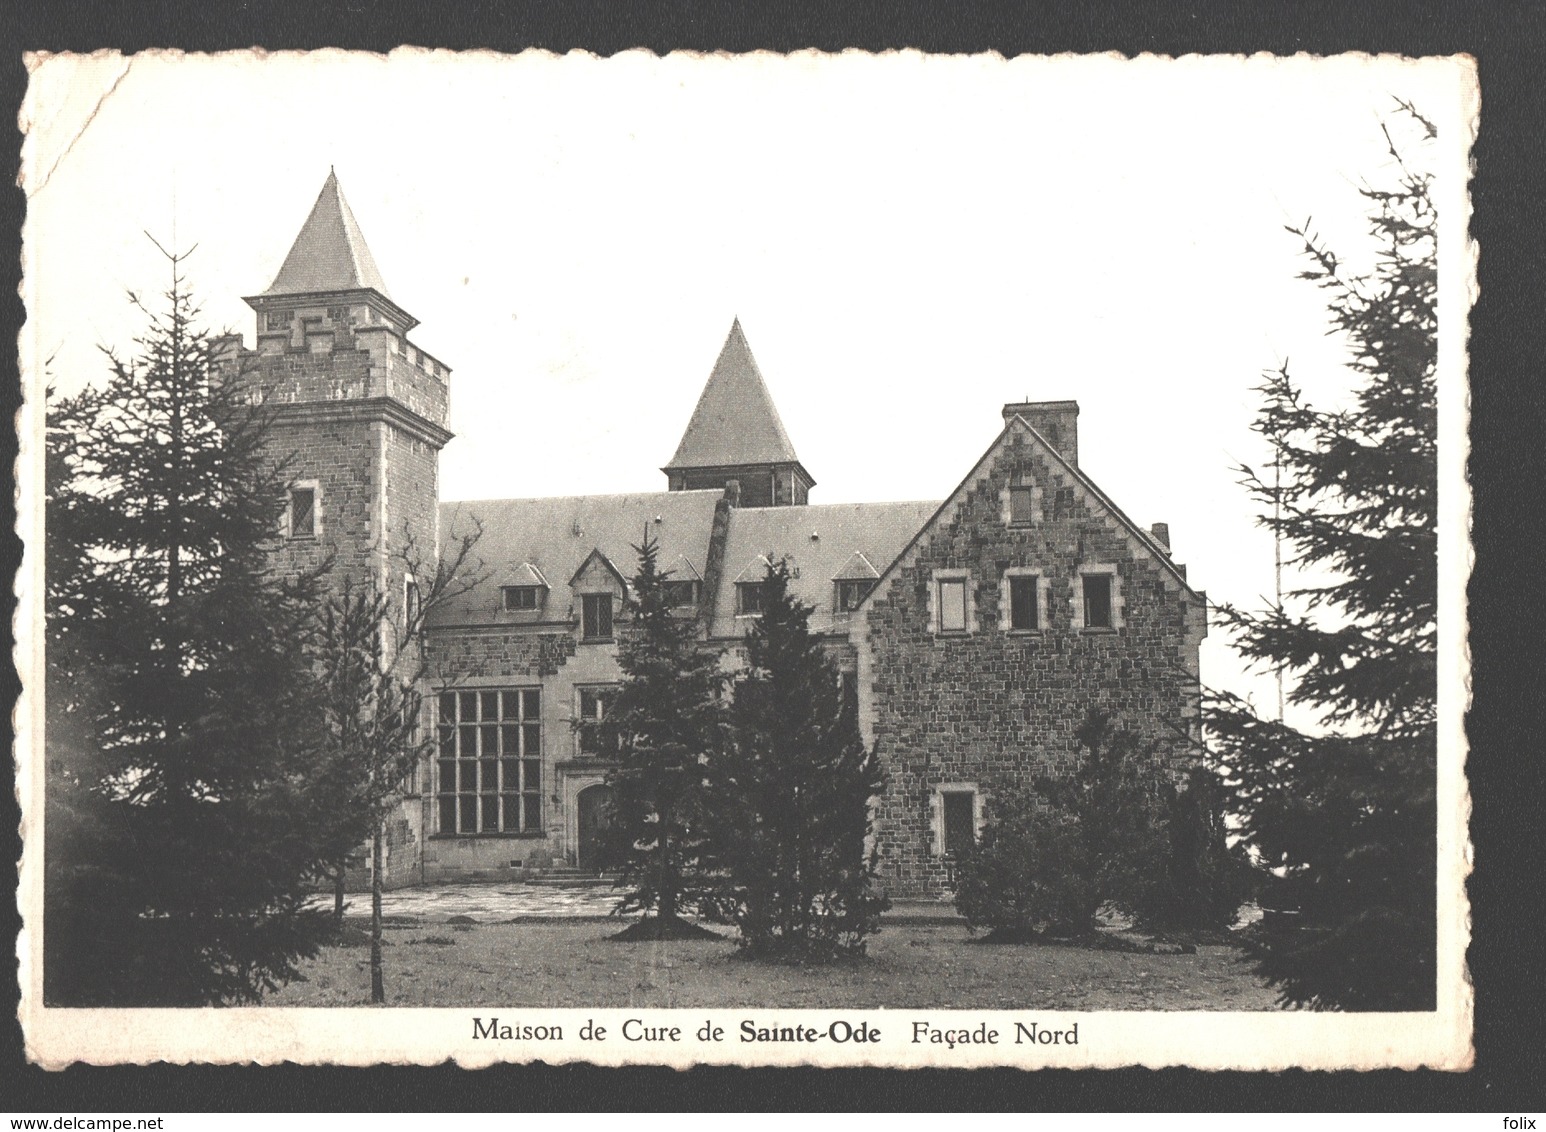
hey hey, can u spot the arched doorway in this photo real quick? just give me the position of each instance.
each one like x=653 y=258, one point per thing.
x=594 y=805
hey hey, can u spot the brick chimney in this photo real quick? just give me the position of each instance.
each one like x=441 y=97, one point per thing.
x=1057 y=421
x=1161 y=533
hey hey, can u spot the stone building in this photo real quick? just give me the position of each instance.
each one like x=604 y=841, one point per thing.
x=974 y=633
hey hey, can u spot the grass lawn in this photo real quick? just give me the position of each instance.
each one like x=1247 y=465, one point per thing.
x=574 y=964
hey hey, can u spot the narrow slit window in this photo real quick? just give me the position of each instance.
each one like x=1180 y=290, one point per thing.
x=303 y=512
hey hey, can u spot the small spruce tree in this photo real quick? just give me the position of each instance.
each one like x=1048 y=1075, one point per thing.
x=792 y=795
x=667 y=722
x=1050 y=857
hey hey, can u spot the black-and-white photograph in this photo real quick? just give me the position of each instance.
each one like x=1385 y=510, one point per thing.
x=764 y=559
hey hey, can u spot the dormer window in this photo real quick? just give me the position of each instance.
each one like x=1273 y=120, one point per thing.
x=519 y=599
x=850 y=592
x=680 y=593
x=523 y=590
x=596 y=617
x=748 y=599
x=855 y=581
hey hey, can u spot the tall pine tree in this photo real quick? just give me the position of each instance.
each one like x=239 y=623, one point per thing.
x=179 y=694
x=792 y=795
x=1345 y=818
x=667 y=723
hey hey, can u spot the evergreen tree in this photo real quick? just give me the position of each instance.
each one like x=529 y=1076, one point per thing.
x=1051 y=856
x=1345 y=819
x=179 y=694
x=667 y=723
x=792 y=795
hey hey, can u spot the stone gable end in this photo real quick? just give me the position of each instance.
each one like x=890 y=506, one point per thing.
x=988 y=705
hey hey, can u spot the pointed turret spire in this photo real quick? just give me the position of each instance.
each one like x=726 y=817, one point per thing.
x=330 y=254
x=735 y=433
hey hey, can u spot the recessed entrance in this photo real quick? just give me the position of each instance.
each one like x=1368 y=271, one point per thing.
x=594 y=806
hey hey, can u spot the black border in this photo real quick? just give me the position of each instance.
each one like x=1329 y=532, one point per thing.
x=1505 y=724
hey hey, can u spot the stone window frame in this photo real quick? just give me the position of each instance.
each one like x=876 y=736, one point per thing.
x=525 y=817
x=602 y=693
x=1043 y=600
x=611 y=617
x=1038 y=504
x=937 y=812
x=1098 y=569
x=952 y=575
x=315 y=487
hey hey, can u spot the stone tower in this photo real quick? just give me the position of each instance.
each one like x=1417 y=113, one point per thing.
x=359 y=422
x=360 y=410
x=735 y=435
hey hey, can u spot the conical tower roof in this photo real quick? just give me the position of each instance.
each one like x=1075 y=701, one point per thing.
x=330 y=254
x=735 y=423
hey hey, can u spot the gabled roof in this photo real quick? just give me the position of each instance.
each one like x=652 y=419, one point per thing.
x=330 y=253
x=857 y=568
x=525 y=575
x=682 y=570
x=1100 y=498
x=555 y=536
x=878 y=530
x=606 y=564
x=756 y=570
x=735 y=422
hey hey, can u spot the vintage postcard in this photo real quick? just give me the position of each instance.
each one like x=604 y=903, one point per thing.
x=836 y=559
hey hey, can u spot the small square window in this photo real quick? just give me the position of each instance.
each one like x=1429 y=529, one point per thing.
x=848 y=691
x=410 y=604
x=596 y=617
x=518 y=598
x=1023 y=613
x=851 y=592
x=1097 y=601
x=303 y=512
x=748 y=597
x=952 y=605
x=1022 y=506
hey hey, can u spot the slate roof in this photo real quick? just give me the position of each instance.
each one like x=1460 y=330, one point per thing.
x=735 y=421
x=879 y=531
x=542 y=533
x=330 y=253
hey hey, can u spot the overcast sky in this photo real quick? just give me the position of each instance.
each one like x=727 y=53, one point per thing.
x=909 y=242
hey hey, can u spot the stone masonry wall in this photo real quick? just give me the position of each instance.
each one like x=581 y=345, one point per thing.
x=991 y=707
